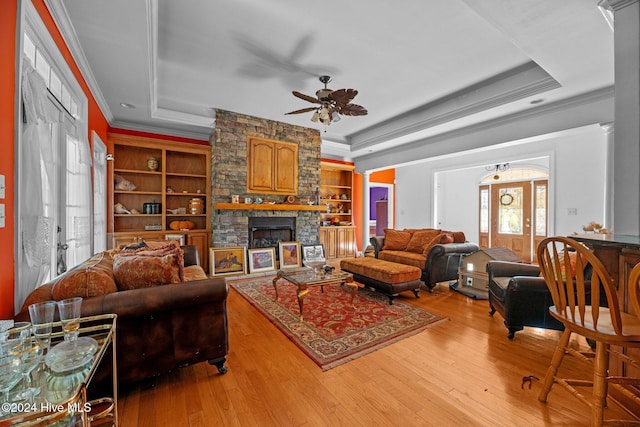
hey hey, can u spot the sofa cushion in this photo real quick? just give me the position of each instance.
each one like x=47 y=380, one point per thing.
x=446 y=238
x=139 y=271
x=91 y=278
x=395 y=240
x=39 y=294
x=404 y=257
x=159 y=249
x=194 y=272
x=421 y=239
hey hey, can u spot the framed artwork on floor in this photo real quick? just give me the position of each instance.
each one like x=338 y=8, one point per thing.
x=262 y=259
x=289 y=254
x=227 y=261
x=313 y=252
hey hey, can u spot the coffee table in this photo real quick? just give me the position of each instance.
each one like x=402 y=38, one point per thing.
x=305 y=278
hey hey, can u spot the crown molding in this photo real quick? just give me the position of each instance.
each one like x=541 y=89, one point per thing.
x=566 y=114
x=520 y=82
x=202 y=136
x=63 y=22
x=617 y=5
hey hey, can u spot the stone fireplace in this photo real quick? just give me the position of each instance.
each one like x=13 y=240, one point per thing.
x=267 y=232
x=229 y=177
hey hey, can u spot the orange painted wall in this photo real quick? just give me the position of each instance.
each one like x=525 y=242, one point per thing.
x=96 y=122
x=8 y=13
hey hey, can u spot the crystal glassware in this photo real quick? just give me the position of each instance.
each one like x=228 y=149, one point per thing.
x=10 y=366
x=41 y=319
x=70 y=317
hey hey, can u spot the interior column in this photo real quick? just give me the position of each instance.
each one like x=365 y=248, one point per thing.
x=365 y=209
x=626 y=150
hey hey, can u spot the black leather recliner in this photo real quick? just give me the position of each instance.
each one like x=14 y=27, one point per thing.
x=522 y=298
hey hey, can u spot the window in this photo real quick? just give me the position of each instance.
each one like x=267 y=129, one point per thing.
x=54 y=223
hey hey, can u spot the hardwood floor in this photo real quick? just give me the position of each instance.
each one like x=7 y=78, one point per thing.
x=464 y=372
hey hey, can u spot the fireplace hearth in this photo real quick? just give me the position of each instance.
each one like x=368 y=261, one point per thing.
x=267 y=232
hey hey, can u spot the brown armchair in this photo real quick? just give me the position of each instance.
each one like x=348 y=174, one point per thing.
x=522 y=298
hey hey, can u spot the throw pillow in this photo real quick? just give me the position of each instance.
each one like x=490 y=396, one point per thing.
x=135 y=271
x=39 y=294
x=459 y=237
x=435 y=241
x=89 y=279
x=421 y=238
x=395 y=240
x=446 y=238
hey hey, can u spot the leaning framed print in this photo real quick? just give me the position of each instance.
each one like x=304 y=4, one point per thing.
x=227 y=261
x=262 y=259
x=313 y=252
x=289 y=254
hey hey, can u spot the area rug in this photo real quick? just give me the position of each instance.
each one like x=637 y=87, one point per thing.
x=334 y=332
x=469 y=292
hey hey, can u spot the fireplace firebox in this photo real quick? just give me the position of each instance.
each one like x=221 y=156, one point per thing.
x=266 y=232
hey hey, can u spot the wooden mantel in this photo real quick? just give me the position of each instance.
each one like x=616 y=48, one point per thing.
x=267 y=207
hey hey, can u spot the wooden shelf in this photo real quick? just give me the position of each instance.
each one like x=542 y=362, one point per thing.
x=266 y=207
x=183 y=173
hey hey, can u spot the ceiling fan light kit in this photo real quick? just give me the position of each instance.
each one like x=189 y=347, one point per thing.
x=333 y=104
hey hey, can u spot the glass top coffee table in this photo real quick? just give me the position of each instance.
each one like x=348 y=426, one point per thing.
x=305 y=278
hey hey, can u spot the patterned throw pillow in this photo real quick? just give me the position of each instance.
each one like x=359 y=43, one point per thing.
x=395 y=240
x=139 y=271
x=420 y=239
x=89 y=279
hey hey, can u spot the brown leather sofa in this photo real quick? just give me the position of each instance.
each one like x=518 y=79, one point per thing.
x=438 y=262
x=522 y=298
x=162 y=328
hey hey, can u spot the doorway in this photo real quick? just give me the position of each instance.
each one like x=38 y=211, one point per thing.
x=380 y=208
x=514 y=215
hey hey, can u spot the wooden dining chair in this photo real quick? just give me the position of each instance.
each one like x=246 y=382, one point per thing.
x=570 y=269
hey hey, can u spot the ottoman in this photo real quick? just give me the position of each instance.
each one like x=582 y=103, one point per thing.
x=387 y=277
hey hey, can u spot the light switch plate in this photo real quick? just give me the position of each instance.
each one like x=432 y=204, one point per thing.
x=2 y=187
x=1 y=215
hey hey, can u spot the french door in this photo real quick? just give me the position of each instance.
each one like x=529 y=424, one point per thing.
x=514 y=215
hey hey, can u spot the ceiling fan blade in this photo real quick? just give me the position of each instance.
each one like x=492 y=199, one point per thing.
x=305 y=97
x=303 y=110
x=343 y=96
x=352 y=110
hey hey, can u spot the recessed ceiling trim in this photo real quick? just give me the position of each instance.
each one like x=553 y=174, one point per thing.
x=61 y=18
x=515 y=84
x=592 y=107
x=152 y=34
x=180 y=117
x=159 y=130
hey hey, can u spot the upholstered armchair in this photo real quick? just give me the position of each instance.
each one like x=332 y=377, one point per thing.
x=522 y=298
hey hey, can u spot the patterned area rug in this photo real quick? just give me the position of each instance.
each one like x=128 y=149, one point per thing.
x=334 y=332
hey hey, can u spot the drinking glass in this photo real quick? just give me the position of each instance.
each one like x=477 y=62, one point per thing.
x=70 y=317
x=10 y=366
x=41 y=314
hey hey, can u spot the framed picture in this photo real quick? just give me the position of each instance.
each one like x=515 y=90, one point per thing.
x=262 y=259
x=313 y=252
x=226 y=261
x=289 y=254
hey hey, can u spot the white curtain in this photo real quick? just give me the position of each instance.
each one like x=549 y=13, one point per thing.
x=37 y=180
x=99 y=195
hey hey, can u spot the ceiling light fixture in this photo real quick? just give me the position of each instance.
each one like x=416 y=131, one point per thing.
x=333 y=104
x=501 y=167
x=126 y=105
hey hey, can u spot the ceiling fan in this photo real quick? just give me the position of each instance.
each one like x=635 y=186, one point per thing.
x=332 y=104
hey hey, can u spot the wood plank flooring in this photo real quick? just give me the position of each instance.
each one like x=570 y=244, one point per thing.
x=464 y=372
